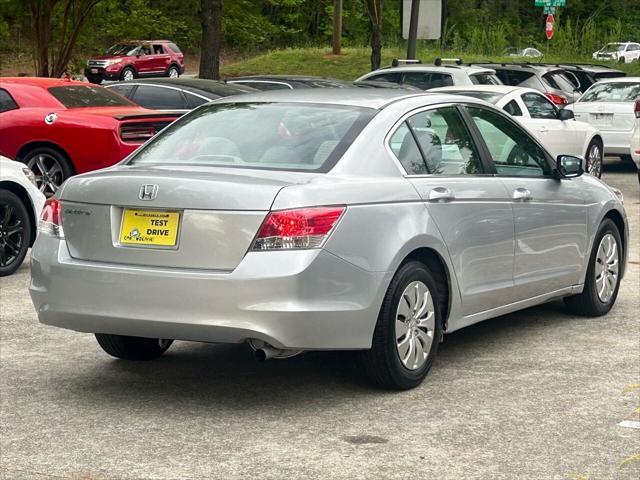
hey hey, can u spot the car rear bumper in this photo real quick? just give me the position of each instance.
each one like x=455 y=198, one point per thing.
x=307 y=299
x=616 y=142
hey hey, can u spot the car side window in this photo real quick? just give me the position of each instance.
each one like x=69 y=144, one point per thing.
x=6 y=101
x=158 y=50
x=513 y=151
x=513 y=109
x=539 y=106
x=436 y=142
x=194 y=100
x=440 y=80
x=122 y=89
x=159 y=98
x=393 y=77
x=406 y=150
x=419 y=80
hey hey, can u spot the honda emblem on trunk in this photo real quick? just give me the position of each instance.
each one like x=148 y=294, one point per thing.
x=148 y=191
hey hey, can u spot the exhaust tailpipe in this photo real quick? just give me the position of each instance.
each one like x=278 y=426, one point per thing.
x=263 y=351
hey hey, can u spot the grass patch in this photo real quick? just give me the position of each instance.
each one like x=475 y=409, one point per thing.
x=354 y=62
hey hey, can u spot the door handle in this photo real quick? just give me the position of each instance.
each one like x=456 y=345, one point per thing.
x=521 y=194
x=441 y=194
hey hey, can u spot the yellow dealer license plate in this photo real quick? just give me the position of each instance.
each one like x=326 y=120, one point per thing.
x=149 y=227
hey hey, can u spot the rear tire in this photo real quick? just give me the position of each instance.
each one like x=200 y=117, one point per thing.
x=591 y=302
x=50 y=167
x=132 y=348
x=173 y=72
x=15 y=232
x=399 y=357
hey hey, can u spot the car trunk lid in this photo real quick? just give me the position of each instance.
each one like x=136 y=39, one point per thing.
x=606 y=116
x=202 y=218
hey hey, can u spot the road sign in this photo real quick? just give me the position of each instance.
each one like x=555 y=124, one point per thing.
x=550 y=3
x=549 y=26
x=429 y=19
x=550 y=9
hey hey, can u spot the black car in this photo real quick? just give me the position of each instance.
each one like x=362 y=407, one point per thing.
x=176 y=93
x=588 y=74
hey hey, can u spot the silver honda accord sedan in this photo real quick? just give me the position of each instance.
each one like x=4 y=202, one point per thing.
x=366 y=220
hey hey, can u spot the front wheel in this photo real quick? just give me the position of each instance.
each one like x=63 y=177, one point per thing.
x=594 y=159
x=127 y=74
x=132 y=348
x=406 y=336
x=603 y=274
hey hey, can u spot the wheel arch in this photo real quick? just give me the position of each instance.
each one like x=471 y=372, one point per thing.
x=29 y=147
x=22 y=194
x=616 y=217
x=439 y=268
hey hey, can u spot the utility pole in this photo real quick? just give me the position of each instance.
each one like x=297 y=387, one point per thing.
x=413 y=30
x=337 y=27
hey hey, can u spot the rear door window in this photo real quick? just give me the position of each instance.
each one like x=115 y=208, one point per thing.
x=421 y=80
x=6 y=101
x=123 y=89
x=195 y=100
x=484 y=79
x=159 y=98
x=158 y=49
x=513 y=109
x=441 y=80
x=393 y=77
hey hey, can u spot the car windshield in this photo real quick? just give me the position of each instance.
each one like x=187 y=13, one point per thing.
x=613 y=47
x=279 y=136
x=79 y=96
x=123 y=49
x=612 y=92
x=491 y=97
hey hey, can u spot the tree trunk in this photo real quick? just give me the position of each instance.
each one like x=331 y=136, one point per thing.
x=374 y=10
x=41 y=24
x=211 y=15
x=337 y=27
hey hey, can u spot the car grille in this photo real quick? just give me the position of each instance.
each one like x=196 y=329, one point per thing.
x=97 y=63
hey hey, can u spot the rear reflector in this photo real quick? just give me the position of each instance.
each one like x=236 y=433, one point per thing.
x=636 y=109
x=51 y=218
x=557 y=99
x=292 y=229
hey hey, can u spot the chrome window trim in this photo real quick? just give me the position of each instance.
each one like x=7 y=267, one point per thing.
x=262 y=81
x=170 y=87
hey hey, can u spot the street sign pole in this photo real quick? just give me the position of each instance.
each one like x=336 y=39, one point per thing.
x=413 y=30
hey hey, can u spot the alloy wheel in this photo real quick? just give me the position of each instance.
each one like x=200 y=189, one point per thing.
x=173 y=73
x=606 y=268
x=11 y=234
x=595 y=161
x=127 y=75
x=48 y=173
x=415 y=325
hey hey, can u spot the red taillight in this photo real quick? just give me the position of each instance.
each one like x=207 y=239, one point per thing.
x=557 y=99
x=302 y=228
x=636 y=109
x=136 y=134
x=51 y=218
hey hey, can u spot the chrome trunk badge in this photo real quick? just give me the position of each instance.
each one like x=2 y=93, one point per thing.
x=148 y=191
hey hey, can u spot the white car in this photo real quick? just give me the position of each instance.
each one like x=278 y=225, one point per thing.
x=555 y=128
x=609 y=106
x=20 y=206
x=623 y=52
x=440 y=74
x=635 y=139
x=522 y=52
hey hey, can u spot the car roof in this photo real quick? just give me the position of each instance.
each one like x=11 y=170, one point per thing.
x=214 y=87
x=42 y=82
x=503 y=89
x=620 y=80
x=587 y=67
x=293 y=78
x=444 y=68
x=375 y=98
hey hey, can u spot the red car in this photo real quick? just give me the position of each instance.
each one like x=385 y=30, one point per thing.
x=132 y=59
x=61 y=127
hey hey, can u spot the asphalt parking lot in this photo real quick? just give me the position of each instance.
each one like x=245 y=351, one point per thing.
x=538 y=394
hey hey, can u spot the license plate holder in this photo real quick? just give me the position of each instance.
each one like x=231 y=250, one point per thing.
x=149 y=228
x=602 y=118
x=94 y=70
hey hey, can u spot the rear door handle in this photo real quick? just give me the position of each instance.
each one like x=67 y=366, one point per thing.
x=521 y=194
x=441 y=194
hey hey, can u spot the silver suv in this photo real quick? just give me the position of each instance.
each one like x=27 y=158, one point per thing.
x=440 y=74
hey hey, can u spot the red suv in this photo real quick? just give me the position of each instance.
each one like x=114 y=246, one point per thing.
x=132 y=59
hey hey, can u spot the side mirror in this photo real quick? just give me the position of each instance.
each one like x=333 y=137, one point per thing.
x=566 y=114
x=570 y=167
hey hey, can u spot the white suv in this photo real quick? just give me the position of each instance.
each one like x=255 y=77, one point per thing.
x=440 y=74
x=625 y=52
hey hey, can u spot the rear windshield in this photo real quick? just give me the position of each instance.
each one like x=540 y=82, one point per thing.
x=485 y=79
x=78 y=96
x=612 y=92
x=279 y=136
x=559 y=81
